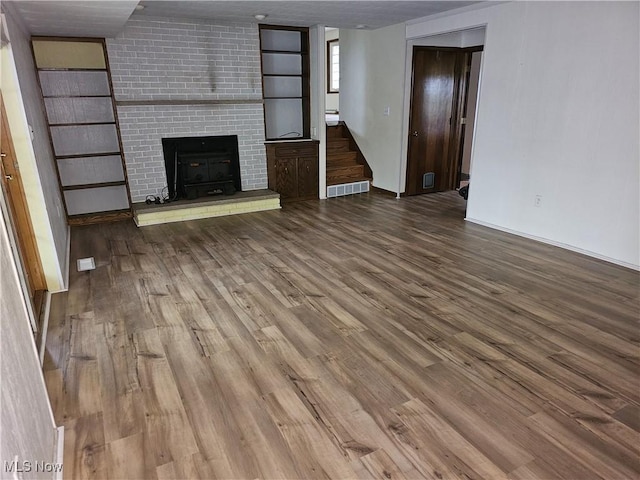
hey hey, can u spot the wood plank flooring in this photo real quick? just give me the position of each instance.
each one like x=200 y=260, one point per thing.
x=360 y=337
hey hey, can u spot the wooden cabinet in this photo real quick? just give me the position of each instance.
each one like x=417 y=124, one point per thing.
x=292 y=168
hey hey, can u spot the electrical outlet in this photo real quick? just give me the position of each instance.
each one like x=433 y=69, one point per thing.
x=537 y=201
x=387 y=111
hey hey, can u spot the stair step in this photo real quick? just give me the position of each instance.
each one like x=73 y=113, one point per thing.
x=345 y=174
x=342 y=157
x=337 y=145
x=334 y=131
x=342 y=180
x=341 y=164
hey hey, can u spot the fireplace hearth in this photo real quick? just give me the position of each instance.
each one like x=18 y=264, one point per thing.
x=201 y=166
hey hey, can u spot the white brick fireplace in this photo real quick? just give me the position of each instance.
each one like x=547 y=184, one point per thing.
x=181 y=79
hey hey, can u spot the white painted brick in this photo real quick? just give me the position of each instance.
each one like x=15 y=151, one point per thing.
x=184 y=60
x=145 y=160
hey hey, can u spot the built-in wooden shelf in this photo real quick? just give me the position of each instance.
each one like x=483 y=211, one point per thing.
x=75 y=84
x=80 y=124
x=194 y=101
x=76 y=96
x=285 y=97
x=281 y=75
x=94 y=185
x=284 y=52
x=87 y=155
x=99 y=217
x=58 y=69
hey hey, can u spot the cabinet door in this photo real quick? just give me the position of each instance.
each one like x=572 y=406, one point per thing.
x=286 y=177
x=308 y=177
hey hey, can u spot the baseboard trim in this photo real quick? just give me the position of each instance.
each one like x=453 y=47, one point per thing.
x=383 y=191
x=565 y=246
x=59 y=459
x=64 y=275
x=68 y=261
x=45 y=327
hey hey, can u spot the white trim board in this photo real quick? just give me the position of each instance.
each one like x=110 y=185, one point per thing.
x=64 y=275
x=555 y=244
x=67 y=265
x=45 y=326
x=59 y=453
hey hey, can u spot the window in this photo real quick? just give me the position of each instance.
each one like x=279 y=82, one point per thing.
x=333 y=66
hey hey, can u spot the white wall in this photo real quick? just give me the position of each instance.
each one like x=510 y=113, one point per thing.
x=23 y=103
x=558 y=117
x=372 y=65
x=27 y=428
x=317 y=65
x=332 y=99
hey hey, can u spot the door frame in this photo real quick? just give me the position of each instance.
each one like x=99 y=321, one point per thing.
x=16 y=211
x=461 y=112
x=447 y=38
x=454 y=121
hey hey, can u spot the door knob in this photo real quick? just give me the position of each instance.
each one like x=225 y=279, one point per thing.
x=2 y=155
x=414 y=134
x=8 y=177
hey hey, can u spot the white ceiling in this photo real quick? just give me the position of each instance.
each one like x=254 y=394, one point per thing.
x=107 y=18
x=341 y=14
x=75 y=18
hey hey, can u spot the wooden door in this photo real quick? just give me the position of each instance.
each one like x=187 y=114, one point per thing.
x=431 y=118
x=13 y=191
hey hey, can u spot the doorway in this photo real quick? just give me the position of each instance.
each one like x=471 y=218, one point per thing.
x=472 y=77
x=13 y=191
x=332 y=79
x=442 y=109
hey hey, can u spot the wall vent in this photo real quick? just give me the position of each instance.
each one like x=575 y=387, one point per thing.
x=347 y=189
x=428 y=180
x=86 y=264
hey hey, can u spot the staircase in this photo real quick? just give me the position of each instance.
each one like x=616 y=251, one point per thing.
x=347 y=171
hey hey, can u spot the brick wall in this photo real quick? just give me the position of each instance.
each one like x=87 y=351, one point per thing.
x=159 y=59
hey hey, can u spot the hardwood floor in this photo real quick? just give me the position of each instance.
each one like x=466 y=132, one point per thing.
x=362 y=337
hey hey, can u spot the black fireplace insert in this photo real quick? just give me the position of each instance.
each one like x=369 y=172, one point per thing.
x=201 y=166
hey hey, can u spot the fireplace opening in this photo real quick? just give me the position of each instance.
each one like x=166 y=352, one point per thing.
x=201 y=166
